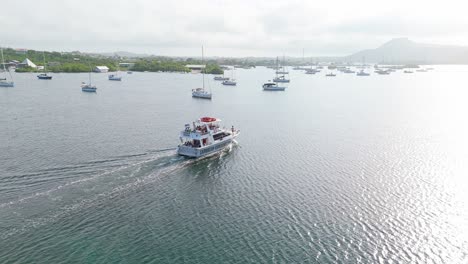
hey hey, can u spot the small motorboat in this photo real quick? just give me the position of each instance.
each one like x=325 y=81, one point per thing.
x=44 y=76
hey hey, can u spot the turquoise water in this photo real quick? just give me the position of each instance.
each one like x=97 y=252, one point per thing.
x=333 y=170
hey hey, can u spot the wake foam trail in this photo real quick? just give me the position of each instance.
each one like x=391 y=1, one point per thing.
x=68 y=210
x=96 y=176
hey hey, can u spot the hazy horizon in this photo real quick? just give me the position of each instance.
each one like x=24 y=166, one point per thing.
x=228 y=29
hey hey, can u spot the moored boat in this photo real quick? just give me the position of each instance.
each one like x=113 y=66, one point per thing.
x=201 y=93
x=114 y=77
x=3 y=81
x=272 y=86
x=44 y=75
x=205 y=137
x=229 y=82
x=87 y=87
x=362 y=73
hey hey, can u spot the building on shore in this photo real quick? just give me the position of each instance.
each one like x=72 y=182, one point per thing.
x=26 y=63
x=126 y=64
x=101 y=69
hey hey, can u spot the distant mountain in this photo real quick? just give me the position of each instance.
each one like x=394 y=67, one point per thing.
x=405 y=51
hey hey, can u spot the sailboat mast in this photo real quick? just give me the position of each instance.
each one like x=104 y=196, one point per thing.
x=3 y=60
x=204 y=68
x=277 y=66
x=89 y=74
x=43 y=56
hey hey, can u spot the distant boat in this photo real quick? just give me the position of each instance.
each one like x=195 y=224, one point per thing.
x=407 y=71
x=272 y=86
x=421 y=70
x=382 y=72
x=129 y=72
x=220 y=78
x=114 y=77
x=201 y=92
x=3 y=81
x=281 y=79
x=347 y=70
x=229 y=82
x=88 y=87
x=362 y=73
x=232 y=81
x=311 y=71
x=331 y=74
x=44 y=76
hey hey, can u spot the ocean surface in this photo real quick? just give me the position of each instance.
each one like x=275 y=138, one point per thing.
x=333 y=170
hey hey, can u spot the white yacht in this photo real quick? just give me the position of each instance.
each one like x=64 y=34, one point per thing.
x=205 y=137
x=3 y=81
x=272 y=86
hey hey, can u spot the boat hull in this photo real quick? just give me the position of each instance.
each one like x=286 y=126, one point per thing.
x=274 y=88
x=204 y=151
x=44 y=77
x=89 y=89
x=7 y=84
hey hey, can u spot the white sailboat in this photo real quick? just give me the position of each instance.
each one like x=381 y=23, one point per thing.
x=362 y=72
x=201 y=92
x=282 y=78
x=44 y=75
x=3 y=81
x=115 y=77
x=88 y=87
x=232 y=81
x=273 y=86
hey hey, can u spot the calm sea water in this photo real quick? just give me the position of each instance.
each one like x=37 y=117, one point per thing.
x=333 y=170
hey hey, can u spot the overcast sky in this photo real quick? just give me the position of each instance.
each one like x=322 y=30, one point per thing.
x=228 y=28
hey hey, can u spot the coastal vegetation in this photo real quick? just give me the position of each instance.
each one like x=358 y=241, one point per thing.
x=83 y=62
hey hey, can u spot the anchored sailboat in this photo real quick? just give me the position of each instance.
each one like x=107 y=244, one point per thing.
x=88 y=87
x=3 y=81
x=44 y=75
x=201 y=92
